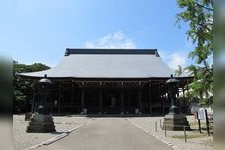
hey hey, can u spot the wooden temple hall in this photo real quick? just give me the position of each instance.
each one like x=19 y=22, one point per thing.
x=108 y=81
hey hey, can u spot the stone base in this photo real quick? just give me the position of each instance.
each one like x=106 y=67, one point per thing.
x=175 y=122
x=41 y=124
x=28 y=116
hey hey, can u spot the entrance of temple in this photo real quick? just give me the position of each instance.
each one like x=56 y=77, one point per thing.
x=111 y=102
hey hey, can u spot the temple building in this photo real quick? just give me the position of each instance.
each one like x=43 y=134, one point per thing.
x=108 y=81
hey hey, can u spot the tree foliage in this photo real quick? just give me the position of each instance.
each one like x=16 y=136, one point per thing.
x=202 y=86
x=22 y=89
x=199 y=15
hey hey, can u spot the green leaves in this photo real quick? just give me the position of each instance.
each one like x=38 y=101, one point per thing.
x=19 y=68
x=22 y=90
x=199 y=15
x=202 y=85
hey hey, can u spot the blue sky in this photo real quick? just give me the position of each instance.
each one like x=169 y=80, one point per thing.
x=40 y=30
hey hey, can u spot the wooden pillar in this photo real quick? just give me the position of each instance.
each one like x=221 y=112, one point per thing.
x=139 y=99
x=33 y=100
x=72 y=99
x=100 y=99
x=60 y=96
x=52 y=103
x=128 y=98
x=163 y=99
x=183 y=91
x=150 y=98
x=185 y=100
x=122 y=100
x=82 y=99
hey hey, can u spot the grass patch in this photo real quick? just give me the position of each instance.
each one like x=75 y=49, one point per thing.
x=196 y=124
x=188 y=136
x=193 y=123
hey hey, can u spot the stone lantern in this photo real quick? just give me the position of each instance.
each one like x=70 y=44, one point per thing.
x=174 y=120
x=44 y=85
x=172 y=85
x=41 y=121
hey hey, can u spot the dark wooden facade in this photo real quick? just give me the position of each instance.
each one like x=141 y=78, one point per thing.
x=68 y=96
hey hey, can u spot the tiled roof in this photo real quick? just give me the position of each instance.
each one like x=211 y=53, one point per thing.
x=108 y=63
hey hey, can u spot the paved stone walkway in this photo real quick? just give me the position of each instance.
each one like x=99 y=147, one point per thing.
x=108 y=133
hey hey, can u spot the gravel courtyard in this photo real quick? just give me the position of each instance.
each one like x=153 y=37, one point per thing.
x=23 y=140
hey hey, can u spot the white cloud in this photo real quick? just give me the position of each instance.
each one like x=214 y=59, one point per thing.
x=176 y=59
x=173 y=58
x=116 y=40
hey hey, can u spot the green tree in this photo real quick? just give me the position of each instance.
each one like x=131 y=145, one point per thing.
x=199 y=15
x=22 y=89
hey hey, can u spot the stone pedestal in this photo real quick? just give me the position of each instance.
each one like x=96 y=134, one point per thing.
x=175 y=122
x=41 y=124
x=28 y=116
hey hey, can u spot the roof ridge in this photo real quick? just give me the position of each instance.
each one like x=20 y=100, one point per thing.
x=70 y=51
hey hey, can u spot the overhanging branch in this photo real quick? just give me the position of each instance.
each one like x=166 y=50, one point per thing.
x=207 y=8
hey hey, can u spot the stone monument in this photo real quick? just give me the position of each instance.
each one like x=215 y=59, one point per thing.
x=174 y=120
x=41 y=121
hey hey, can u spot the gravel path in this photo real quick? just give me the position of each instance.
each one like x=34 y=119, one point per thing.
x=148 y=125
x=23 y=140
